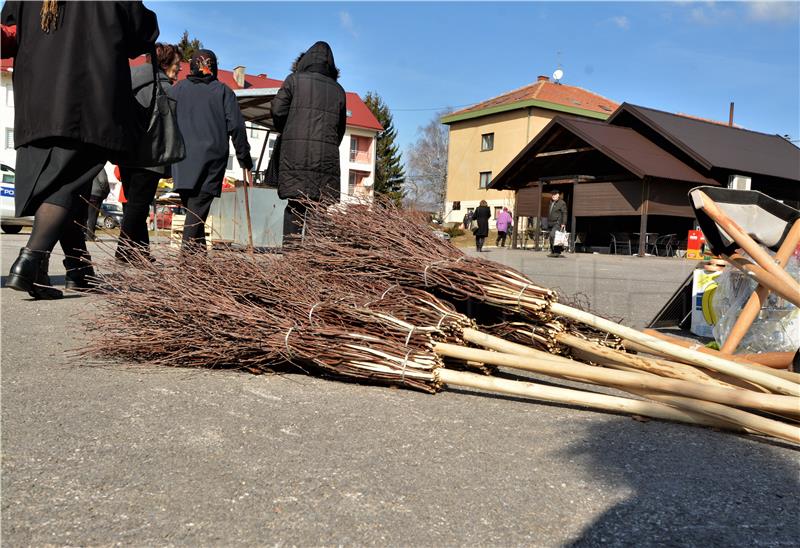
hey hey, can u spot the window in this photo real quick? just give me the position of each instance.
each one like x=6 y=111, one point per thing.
x=230 y=163
x=487 y=141
x=355 y=183
x=9 y=96
x=270 y=147
x=253 y=131
x=9 y=137
x=471 y=210
x=359 y=149
x=457 y=206
x=497 y=210
x=486 y=178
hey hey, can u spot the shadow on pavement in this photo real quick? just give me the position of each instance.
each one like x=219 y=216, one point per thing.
x=692 y=488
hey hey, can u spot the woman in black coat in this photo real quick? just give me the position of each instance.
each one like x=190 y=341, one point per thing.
x=208 y=115
x=140 y=184
x=481 y=219
x=73 y=112
x=310 y=112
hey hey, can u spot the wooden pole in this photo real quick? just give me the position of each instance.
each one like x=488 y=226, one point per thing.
x=749 y=421
x=643 y=220
x=247 y=182
x=571 y=369
x=569 y=396
x=766 y=279
x=758 y=298
x=741 y=359
x=602 y=354
x=738 y=234
x=765 y=379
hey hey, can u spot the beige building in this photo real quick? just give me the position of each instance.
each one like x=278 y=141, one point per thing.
x=486 y=137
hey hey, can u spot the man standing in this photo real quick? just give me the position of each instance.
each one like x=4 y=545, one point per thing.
x=556 y=220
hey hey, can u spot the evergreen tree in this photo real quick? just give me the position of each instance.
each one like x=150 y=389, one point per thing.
x=189 y=46
x=389 y=173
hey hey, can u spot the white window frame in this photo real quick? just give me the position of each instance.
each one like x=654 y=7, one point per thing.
x=9 y=142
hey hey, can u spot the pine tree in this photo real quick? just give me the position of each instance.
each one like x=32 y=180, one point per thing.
x=189 y=46
x=389 y=173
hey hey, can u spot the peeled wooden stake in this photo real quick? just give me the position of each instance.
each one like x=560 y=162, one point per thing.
x=541 y=362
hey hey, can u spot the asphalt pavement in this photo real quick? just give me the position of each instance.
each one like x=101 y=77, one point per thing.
x=117 y=453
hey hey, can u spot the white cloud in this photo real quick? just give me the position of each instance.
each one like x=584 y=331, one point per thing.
x=621 y=21
x=708 y=13
x=772 y=11
x=346 y=21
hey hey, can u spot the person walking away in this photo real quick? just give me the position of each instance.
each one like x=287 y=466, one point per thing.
x=73 y=112
x=139 y=185
x=100 y=190
x=556 y=220
x=504 y=223
x=310 y=112
x=467 y=220
x=208 y=116
x=481 y=218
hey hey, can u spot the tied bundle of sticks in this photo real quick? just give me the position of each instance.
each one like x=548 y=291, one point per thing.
x=316 y=308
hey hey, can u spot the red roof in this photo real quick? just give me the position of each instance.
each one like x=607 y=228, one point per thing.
x=545 y=90
x=360 y=115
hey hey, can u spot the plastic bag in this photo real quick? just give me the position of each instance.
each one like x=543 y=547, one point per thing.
x=561 y=239
x=777 y=327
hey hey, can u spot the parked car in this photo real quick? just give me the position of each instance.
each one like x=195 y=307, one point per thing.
x=9 y=223
x=163 y=215
x=110 y=215
x=440 y=233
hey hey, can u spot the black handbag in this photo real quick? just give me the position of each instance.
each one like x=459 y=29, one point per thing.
x=158 y=140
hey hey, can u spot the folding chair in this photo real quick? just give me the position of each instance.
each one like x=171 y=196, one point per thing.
x=621 y=239
x=746 y=219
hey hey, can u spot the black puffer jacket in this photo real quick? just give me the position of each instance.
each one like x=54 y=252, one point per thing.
x=310 y=112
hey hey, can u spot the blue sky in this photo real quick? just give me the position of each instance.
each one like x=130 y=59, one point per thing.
x=690 y=57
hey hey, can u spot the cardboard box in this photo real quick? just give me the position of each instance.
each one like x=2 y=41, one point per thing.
x=703 y=286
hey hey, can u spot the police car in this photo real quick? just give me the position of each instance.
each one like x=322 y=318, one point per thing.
x=8 y=222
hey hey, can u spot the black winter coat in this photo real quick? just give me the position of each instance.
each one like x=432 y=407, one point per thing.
x=310 y=112
x=75 y=82
x=481 y=218
x=208 y=115
x=557 y=214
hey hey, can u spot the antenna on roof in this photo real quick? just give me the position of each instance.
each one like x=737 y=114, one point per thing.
x=559 y=73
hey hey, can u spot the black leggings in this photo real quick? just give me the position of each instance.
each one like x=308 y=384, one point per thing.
x=479 y=241
x=194 y=228
x=139 y=186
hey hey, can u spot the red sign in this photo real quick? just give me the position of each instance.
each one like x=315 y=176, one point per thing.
x=695 y=240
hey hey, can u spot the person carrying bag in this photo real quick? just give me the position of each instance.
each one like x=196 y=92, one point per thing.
x=160 y=144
